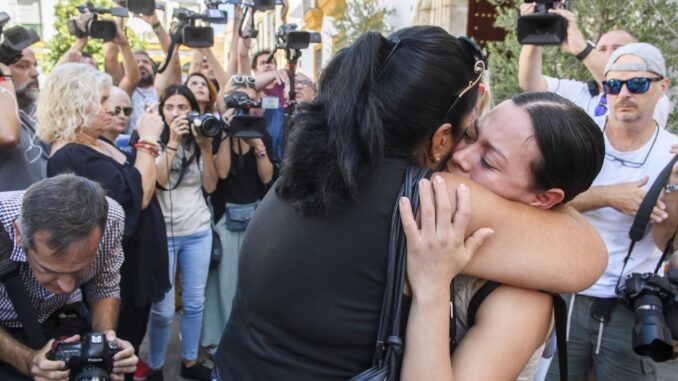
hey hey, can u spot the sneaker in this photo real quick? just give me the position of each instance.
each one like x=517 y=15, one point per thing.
x=196 y=372
x=154 y=375
x=142 y=371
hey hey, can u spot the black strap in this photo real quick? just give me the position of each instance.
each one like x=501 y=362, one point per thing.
x=560 y=316
x=11 y=279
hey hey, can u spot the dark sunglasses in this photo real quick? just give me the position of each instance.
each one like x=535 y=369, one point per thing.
x=125 y=110
x=636 y=85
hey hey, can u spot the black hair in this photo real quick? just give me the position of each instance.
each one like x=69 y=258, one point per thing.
x=571 y=144
x=256 y=56
x=365 y=110
x=175 y=89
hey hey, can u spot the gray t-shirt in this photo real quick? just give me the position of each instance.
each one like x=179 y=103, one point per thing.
x=26 y=163
x=140 y=99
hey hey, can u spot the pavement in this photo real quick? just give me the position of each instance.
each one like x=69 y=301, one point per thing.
x=172 y=366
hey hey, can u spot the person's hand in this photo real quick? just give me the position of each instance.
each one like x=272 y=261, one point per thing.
x=281 y=76
x=626 y=198
x=120 y=37
x=203 y=142
x=574 y=41
x=527 y=8
x=82 y=20
x=43 y=369
x=150 y=20
x=150 y=124
x=5 y=69
x=257 y=144
x=125 y=361
x=179 y=128
x=437 y=252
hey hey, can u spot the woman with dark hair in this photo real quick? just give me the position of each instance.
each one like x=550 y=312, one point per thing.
x=536 y=148
x=186 y=171
x=312 y=269
x=203 y=90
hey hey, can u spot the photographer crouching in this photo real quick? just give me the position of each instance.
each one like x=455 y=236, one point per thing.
x=59 y=235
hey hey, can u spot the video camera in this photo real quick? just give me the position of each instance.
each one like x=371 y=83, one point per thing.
x=257 y=5
x=15 y=40
x=289 y=37
x=654 y=299
x=541 y=27
x=188 y=34
x=144 y=7
x=242 y=124
x=91 y=358
x=103 y=29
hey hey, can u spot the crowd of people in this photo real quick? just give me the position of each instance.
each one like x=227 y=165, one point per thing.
x=117 y=201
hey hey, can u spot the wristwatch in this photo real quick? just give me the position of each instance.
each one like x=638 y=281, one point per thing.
x=585 y=53
x=671 y=188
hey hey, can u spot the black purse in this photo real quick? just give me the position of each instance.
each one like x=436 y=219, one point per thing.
x=389 y=345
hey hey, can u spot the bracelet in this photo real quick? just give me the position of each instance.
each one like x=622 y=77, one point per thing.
x=260 y=153
x=671 y=188
x=171 y=148
x=156 y=26
x=152 y=149
x=585 y=53
x=5 y=77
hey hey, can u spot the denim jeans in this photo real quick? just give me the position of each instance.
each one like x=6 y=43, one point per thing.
x=192 y=252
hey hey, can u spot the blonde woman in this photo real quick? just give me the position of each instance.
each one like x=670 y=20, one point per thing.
x=74 y=112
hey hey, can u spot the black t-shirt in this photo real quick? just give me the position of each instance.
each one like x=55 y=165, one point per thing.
x=310 y=289
x=145 y=269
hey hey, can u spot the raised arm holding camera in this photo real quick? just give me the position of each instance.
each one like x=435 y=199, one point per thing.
x=126 y=76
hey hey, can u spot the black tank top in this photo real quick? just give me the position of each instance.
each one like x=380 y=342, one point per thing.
x=310 y=288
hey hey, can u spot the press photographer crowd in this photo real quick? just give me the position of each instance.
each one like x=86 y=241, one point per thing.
x=384 y=223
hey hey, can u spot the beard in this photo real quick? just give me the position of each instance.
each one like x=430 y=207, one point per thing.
x=146 y=80
x=27 y=94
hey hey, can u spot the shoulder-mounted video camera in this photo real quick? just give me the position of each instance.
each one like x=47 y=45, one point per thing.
x=243 y=125
x=144 y=7
x=289 y=37
x=14 y=40
x=101 y=29
x=187 y=33
x=257 y=5
x=542 y=27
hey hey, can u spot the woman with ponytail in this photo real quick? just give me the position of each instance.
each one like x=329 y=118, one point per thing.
x=312 y=268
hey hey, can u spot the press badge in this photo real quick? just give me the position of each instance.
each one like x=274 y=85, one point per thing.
x=269 y=102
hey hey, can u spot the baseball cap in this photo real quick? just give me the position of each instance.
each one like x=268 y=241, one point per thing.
x=654 y=61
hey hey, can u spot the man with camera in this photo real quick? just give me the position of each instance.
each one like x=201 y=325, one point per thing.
x=637 y=150
x=587 y=95
x=25 y=162
x=59 y=236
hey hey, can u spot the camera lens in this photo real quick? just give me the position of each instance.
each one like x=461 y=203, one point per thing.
x=92 y=374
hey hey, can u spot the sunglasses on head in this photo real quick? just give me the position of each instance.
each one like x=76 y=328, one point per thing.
x=125 y=110
x=243 y=80
x=478 y=68
x=636 y=85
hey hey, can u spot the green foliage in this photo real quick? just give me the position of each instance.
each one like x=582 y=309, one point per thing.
x=358 y=17
x=652 y=21
x=62 y=41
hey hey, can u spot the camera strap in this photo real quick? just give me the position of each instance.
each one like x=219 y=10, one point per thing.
x=640 y=222
x=11 y=279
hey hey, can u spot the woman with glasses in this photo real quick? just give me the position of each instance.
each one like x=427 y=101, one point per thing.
x=120 y=106
x=75 y=112
x=245 y=171
x=312 y=269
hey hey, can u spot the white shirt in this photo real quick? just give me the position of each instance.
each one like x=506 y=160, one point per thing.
x=140 y=99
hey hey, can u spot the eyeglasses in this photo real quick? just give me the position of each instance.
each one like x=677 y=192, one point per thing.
x=636 y=85
x=634 y=164
x=125 y=110
x=478 y=68
x=246 y=80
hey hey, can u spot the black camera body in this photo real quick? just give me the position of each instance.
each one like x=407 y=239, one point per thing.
x=101 y=29
x=144 y=7
x=654 y=300
x=188 y=34
x=89 y=359
x=15 y=40
x=206 y=125
x=291 y=38
x=242 y=124
x=541 y=27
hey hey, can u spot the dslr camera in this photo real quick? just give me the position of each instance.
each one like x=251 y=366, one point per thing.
x=289 y=38
x=102 y=29
x=14 y=40
x=186 y=33
x=206 y=125
x=243 y=125
x=654 y=300
x=541 y=27
x=89 y=359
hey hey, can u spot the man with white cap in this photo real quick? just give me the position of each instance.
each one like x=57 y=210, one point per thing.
x=636 y=150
